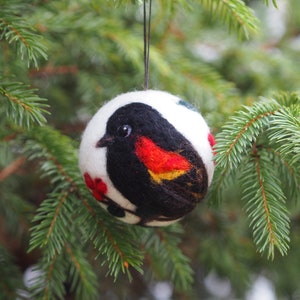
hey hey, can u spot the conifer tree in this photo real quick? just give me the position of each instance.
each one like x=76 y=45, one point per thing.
x=61 y=60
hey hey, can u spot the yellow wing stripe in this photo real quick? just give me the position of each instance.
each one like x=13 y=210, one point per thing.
x=159 y=177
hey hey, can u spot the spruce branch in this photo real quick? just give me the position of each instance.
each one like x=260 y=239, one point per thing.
x=284 y=133
x=22 y=105
x=289 y=174
x=61 y=215
x=235 y=14
x=50 y=282
x=11 y=168
x=181 y=272
x=265 y=204
x=288 y=99
x=56 y=152
x=266 y=131
x=30 y=46
x=58 y=162
x=113 y=241
x=166 y=257
x=53 y=221
x=56 y=229
x=237 y=136
x=72 y=267
x=82 y=278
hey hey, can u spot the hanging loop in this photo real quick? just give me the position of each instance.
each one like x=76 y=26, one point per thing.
x=147 y=26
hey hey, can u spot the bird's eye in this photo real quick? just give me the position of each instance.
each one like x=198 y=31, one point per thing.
x=124 y=131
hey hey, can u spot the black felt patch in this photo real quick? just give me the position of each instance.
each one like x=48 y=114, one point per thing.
x=115 y=210
x=171 y=198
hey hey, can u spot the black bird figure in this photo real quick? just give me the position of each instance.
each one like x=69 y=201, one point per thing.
x=147 y=157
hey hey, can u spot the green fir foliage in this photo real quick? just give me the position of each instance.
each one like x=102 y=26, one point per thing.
x=21 y=104
x=79 y=54
x=247 y=144
x=167 y=259
x=20 y=34
x=235 y=14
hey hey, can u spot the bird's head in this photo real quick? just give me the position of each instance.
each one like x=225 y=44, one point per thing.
x=122 y=128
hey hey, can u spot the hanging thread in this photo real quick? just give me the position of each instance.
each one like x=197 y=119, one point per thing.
x=147 y=25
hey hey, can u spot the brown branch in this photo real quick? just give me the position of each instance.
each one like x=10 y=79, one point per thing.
x=11 y=168
x=75 y=261
x=15 y=100
x=9 y=137
x=63 y=172
x=264 y=197
x=53 y=70
x=117 y=248
x=16 y=31
x=58 y=208
x=49 y=275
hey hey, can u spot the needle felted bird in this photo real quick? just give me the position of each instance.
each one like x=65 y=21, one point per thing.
x=147 y=157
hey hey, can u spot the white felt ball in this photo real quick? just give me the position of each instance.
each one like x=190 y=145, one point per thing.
x=147 y=157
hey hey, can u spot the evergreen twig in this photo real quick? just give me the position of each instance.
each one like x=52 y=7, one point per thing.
x=16 y=31
x=235 y=14
x=22 y=104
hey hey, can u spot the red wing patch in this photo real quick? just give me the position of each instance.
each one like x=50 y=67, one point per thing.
x=97 y=186
x=158 y=160
x=211 y=140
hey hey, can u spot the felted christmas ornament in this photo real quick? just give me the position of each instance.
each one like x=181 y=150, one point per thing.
x=147 y=157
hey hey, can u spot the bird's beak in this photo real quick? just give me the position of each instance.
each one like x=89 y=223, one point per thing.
x=105 y=141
